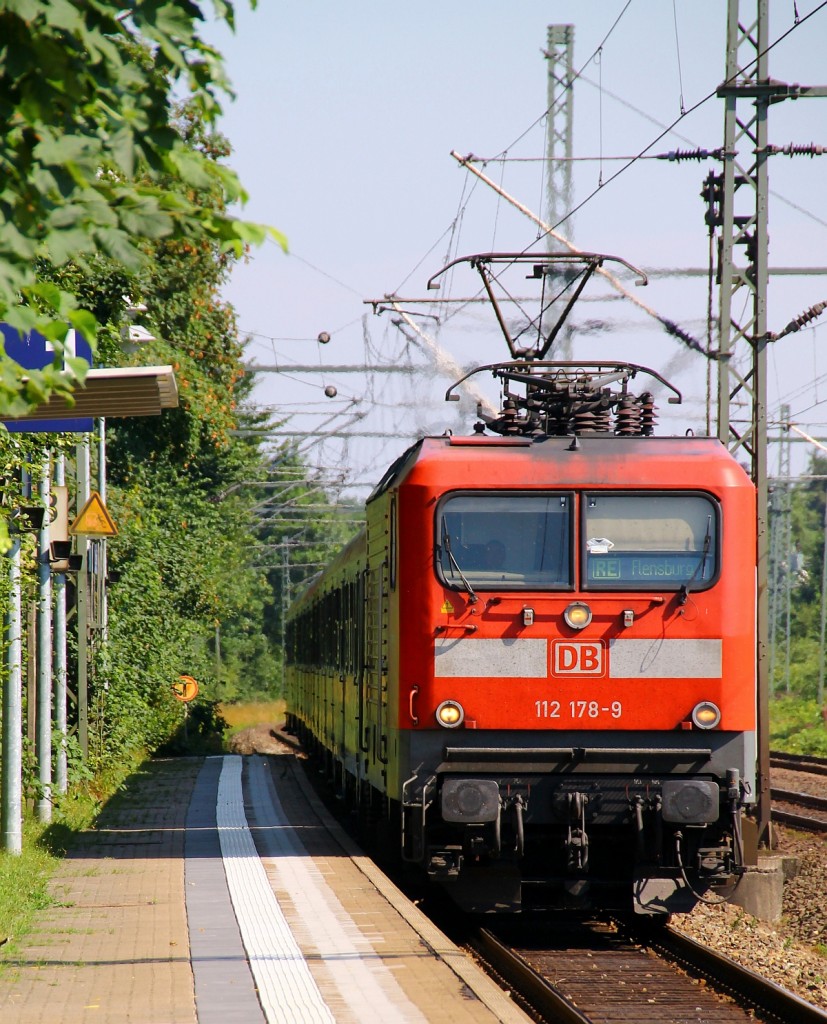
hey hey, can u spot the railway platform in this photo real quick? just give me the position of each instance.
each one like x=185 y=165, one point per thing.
x=221 y=890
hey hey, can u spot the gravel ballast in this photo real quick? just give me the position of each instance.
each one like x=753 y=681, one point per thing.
x=793 y=951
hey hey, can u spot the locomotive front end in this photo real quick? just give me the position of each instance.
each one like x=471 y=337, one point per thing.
x=576 y=669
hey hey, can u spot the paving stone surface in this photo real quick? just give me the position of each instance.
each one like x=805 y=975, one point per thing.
x=114 y=947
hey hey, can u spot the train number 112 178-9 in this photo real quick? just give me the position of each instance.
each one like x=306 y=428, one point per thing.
x=577 y=709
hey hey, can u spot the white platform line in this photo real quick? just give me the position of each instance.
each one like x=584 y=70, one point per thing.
x=286 y=988
x=364 y=982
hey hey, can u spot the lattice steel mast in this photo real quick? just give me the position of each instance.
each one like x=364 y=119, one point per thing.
x=748 y=92
x=559 y=142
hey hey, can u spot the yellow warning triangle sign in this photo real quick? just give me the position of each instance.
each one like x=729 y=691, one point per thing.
x=93 y=519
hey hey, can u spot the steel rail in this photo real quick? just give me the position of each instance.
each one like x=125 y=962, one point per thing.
x=749 y=987
x=799 y=762
x=799 y=821
x=817 y=803
x=531 y=985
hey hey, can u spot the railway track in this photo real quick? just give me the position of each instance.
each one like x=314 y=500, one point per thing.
x=576 y=972
x=789 y=806
x=799 y=762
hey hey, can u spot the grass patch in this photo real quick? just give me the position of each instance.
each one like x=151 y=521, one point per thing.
x=242 y=716
x=24 y=883
x=797 y=726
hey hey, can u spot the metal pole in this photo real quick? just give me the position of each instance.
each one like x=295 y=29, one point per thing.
x=12 y=803
x=102 y=565
x=820 y=696
x=285 y=601
x=560 y=117
x=44 y=653
x=760 y=266
x=82 y=471
x=559 y=140
x=747 y=136
x=61 y=765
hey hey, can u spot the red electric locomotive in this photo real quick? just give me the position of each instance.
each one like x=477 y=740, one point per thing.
x=538 y=659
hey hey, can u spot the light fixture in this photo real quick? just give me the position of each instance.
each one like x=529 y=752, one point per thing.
x=59 y=550
x=26 y=519
x=450 y=714
x=706 y=715
x=578 y=615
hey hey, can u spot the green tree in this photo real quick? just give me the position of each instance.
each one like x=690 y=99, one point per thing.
x=89 y=147
x=186 y=561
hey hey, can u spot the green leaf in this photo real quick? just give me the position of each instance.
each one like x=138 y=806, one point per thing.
x=116 y=243
x=191 y=167
x=84 y=321
x=77 y=367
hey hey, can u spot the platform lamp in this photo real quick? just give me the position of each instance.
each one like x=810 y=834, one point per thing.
x=61 y=559
x=26 y=519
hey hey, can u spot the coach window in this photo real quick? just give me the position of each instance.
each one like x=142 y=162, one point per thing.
x=504 y=541
x=649 y=541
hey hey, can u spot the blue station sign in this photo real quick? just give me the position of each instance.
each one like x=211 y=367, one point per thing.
x=34 y=352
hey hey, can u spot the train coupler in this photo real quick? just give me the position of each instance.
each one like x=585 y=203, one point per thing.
x=577 y=838
x=444 y=863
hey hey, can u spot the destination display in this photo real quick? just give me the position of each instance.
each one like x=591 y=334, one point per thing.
x=651 y=567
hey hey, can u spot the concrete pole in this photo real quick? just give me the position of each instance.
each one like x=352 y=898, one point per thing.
x=44 y=653
x=12 y=802
x=82 y=472
x=61 y=765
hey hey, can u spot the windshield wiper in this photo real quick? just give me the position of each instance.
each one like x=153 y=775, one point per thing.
x=446 y=545
x=701 y=566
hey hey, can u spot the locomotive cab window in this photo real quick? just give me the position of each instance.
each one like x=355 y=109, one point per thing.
x=649 y=541
x=504 y=541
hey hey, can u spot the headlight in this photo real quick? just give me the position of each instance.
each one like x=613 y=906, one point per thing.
x=706 y=715
x=450 y=714
x=578 y=615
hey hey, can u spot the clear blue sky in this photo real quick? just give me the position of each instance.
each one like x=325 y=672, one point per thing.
x=344 y=119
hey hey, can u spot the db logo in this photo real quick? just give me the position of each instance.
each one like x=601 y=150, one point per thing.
x=577 y=658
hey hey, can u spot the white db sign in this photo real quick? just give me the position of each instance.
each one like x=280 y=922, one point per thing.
x=578 y=658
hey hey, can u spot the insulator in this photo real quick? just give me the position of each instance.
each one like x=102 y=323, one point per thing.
x=509 y=410
x=791 y=149
x=556 y=425
x=678 y=155
x=712 y=194
x=648 y=413
x=628 y=417
x=803 y=319
x=585 y=420
x=603 y=419
x=678 y=332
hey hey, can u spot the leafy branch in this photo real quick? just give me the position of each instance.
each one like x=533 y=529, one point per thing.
x=89 y=146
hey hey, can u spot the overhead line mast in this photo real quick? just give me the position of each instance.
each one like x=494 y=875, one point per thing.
x=560 y=142
x=748 y=92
